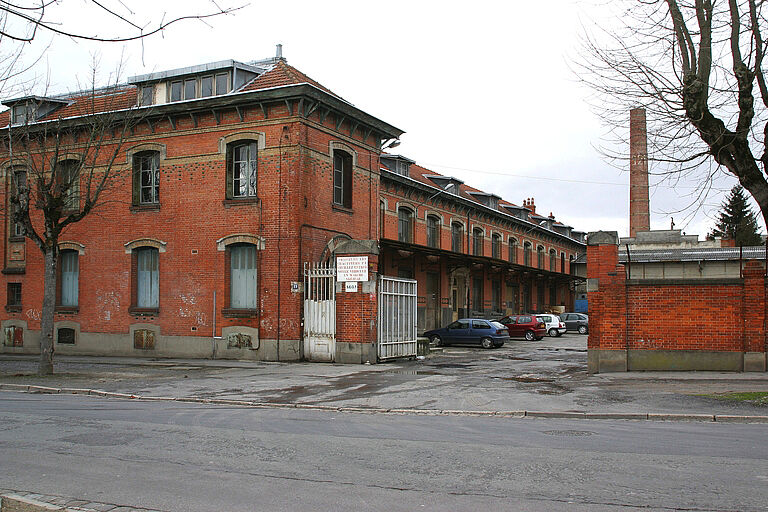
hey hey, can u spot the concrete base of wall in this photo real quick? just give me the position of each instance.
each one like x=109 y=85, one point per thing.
x=755 y=362
x=249 y=348
x=606 y=361
x=355 y=353
x=685 y=360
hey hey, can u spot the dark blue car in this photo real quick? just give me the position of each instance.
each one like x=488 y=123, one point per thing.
x=470 y=331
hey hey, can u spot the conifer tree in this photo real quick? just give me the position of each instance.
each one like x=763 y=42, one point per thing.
x=737 y=221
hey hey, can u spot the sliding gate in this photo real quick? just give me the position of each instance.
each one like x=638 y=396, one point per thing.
x=397 y=317
x=319 y=311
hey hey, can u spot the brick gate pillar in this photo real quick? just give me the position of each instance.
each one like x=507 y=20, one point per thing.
x=357 y=302
x=754 y=317
x=606 y=295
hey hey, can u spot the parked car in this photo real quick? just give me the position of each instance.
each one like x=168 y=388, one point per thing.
x=576 y=322
x=555 y=326
x=470 y=331
x=527 y=326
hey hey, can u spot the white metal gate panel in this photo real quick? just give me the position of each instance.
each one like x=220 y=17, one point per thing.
x=397 y=317
x=319 y=311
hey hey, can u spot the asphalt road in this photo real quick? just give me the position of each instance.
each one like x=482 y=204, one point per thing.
x=190 y=457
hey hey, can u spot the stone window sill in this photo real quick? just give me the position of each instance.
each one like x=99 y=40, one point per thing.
x=67 y=309
x=343 y=209
x=239 y=313
x=228 y=203
x=13 y=309
x=150 y=207
x=144 y=311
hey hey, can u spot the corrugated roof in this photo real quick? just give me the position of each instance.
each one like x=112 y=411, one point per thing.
x=697 y=254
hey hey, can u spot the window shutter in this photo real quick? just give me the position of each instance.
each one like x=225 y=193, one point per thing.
x=347 y=181
x=228 y=173
x=136 y=180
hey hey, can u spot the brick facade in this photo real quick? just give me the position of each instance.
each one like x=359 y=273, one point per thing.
x=673 y=324
x=196 y=228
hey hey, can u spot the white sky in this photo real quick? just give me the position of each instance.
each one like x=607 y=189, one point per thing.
x=483 y=89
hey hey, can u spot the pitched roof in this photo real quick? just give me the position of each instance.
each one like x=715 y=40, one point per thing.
x=280 y=75
x=86 y=102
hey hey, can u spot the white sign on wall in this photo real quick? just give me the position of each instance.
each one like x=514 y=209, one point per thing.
x=351 y=268
x=350 y=286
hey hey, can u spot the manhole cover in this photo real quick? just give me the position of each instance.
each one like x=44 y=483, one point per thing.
x=568 y=433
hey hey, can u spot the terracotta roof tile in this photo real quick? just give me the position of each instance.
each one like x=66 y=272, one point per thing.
x=280 y=75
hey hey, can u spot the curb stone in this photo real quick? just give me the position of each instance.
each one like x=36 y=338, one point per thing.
x=712 y=418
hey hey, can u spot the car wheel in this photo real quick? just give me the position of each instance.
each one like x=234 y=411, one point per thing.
x=486 y=343
x=529 y=335
x=582 y=329
x=553 y=333
x=436 y=341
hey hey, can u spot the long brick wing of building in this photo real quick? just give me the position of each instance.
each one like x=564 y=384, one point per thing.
x=243 y=184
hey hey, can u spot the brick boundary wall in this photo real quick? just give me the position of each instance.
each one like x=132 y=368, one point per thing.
x=672 y=324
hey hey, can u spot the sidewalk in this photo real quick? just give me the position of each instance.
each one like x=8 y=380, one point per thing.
x=538 y=377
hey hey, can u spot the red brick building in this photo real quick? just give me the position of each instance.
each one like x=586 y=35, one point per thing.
x=236 y=176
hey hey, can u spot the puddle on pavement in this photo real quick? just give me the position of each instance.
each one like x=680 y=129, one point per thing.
x=528 y=379
x=405 y=371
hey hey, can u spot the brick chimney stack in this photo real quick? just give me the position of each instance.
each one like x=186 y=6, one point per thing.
x=528 y=203
x=639 y=208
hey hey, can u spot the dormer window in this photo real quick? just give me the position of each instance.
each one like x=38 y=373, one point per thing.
x=147 y=95
x=402 y=167
x=198 y=87
x=23 y=113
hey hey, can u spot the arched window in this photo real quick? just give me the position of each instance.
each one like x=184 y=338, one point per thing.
x=553 y=260
x=512 y=250
x=68 y=176
x=242 y=276
x=69 y=273
x=477 y=242
x=342 y=178
x=146 y=177
x=457 y=237
x=405 y=225
x=146 y=278
x=540 y=256
x=242 y=169
x=562 y=262
x=570 y=264
x=433 y=231
x=496 y=245
x=527 y=250
x=18 y=185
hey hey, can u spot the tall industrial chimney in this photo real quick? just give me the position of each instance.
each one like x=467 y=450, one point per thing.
x=639 y=209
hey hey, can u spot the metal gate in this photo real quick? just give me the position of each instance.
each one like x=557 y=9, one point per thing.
x=319 y=311
x=397 y=317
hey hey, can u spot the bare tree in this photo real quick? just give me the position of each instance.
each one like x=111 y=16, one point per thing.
x=63 y=170
x=24 y=20
x=696 y=66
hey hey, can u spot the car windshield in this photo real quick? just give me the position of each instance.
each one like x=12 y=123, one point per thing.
x=498 y=325
x=545 y=318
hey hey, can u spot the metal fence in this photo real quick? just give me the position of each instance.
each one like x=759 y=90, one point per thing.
x=319 y=311
x=397 y=317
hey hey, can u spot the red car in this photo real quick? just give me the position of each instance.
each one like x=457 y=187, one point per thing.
x=528 y=326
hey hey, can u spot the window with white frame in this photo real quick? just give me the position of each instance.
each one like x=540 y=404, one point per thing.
x=146 y=178
x=242 y=276
x=69 y=277
x=242 y=169
x=147 y=278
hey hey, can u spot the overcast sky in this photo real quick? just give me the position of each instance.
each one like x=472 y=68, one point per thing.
x=482 y=89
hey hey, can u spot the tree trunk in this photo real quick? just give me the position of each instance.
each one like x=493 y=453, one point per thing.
x=49 y=303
